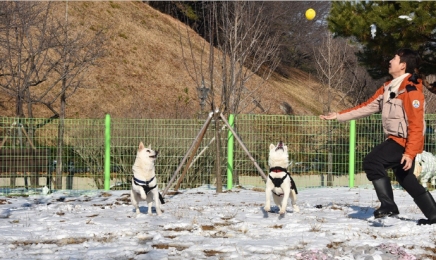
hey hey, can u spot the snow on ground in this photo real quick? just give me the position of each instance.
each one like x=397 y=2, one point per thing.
x=333 y=223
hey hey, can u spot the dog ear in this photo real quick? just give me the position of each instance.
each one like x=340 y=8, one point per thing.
x=149 y=146
x=271 y=146
x=141 y=146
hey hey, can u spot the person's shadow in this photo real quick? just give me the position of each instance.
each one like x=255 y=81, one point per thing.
x=365 y=213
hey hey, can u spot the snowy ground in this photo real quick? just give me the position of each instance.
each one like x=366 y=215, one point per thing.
x=333 y=223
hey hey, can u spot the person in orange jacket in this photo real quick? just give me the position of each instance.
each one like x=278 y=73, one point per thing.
x=401 y=103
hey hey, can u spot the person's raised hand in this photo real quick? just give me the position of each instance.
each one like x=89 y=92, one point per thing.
x=329 y=116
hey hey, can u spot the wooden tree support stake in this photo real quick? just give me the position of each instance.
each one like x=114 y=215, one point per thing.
x=200 y=134
x=194 y=147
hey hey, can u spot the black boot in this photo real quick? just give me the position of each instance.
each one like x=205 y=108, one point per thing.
x=385 y=195
x=428 y=206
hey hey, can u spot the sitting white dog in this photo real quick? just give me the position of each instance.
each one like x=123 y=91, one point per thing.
x=279 y=182
x=144 y=183
x=425 y=168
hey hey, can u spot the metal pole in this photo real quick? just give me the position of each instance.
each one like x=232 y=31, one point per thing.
x=230 y=143
x=243 y=147
x=107 y=153
x=352 y=153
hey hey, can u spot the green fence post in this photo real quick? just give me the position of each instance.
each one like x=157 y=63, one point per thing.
x=352 y=152
x=107 y=153
x=230 y=143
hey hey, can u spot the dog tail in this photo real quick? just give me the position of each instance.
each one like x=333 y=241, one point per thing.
x=161 y=199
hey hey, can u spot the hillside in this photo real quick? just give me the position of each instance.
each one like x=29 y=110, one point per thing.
x=143 y=74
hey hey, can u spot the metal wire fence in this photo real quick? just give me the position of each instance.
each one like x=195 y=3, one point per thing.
x=72 y=154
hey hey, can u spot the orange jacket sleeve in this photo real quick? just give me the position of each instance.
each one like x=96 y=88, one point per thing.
x=414 y=106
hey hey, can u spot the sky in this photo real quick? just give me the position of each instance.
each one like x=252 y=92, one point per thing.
x=333 y=223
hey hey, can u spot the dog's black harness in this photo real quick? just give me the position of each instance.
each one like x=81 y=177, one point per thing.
x=278 y=181
x=146 y=186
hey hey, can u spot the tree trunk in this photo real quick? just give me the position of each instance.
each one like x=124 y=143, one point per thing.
x=60 y=141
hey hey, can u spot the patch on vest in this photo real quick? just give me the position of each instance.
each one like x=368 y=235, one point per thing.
x=415 y=103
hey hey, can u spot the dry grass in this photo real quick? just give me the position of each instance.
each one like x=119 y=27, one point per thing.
x=65 y=241
x=143 y=73
x=207 y=227
x=3 y=201
x=166 y=246
x=209 y=253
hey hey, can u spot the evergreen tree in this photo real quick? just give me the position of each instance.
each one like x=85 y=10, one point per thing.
x=399 y=24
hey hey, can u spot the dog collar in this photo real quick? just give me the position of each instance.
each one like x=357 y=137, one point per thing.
x=140 y=183
x=277 y=169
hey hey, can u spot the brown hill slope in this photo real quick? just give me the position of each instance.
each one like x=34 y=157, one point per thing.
x=143 y=73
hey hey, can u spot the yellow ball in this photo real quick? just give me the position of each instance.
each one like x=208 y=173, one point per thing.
x=310 y=14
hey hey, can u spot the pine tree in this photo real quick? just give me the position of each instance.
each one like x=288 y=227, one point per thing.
x=408 y=24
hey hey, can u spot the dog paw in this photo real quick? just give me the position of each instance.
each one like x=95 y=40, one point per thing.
x=296 y=209
x=267 y=209
x=282 y=212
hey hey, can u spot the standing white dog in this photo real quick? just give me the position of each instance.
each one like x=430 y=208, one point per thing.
x=279 y=182
x=144 y=183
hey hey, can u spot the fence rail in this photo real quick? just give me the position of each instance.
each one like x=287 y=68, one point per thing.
x=99 y=153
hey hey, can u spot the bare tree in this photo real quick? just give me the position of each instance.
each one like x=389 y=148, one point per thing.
x=330 y=58
x=74 y=51
x=46 y=58
x=340 y=74
x=25 y=43
x=357 y=85
x=298 y=36
x=247 y=49
x=239 y=47
x=240 y=31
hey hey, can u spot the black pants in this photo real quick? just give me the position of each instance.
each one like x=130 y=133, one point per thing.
x=387 y=155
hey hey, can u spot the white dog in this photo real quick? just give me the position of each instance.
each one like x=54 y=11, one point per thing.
x=425 y=168
x=279 y=182
x=144 y=183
